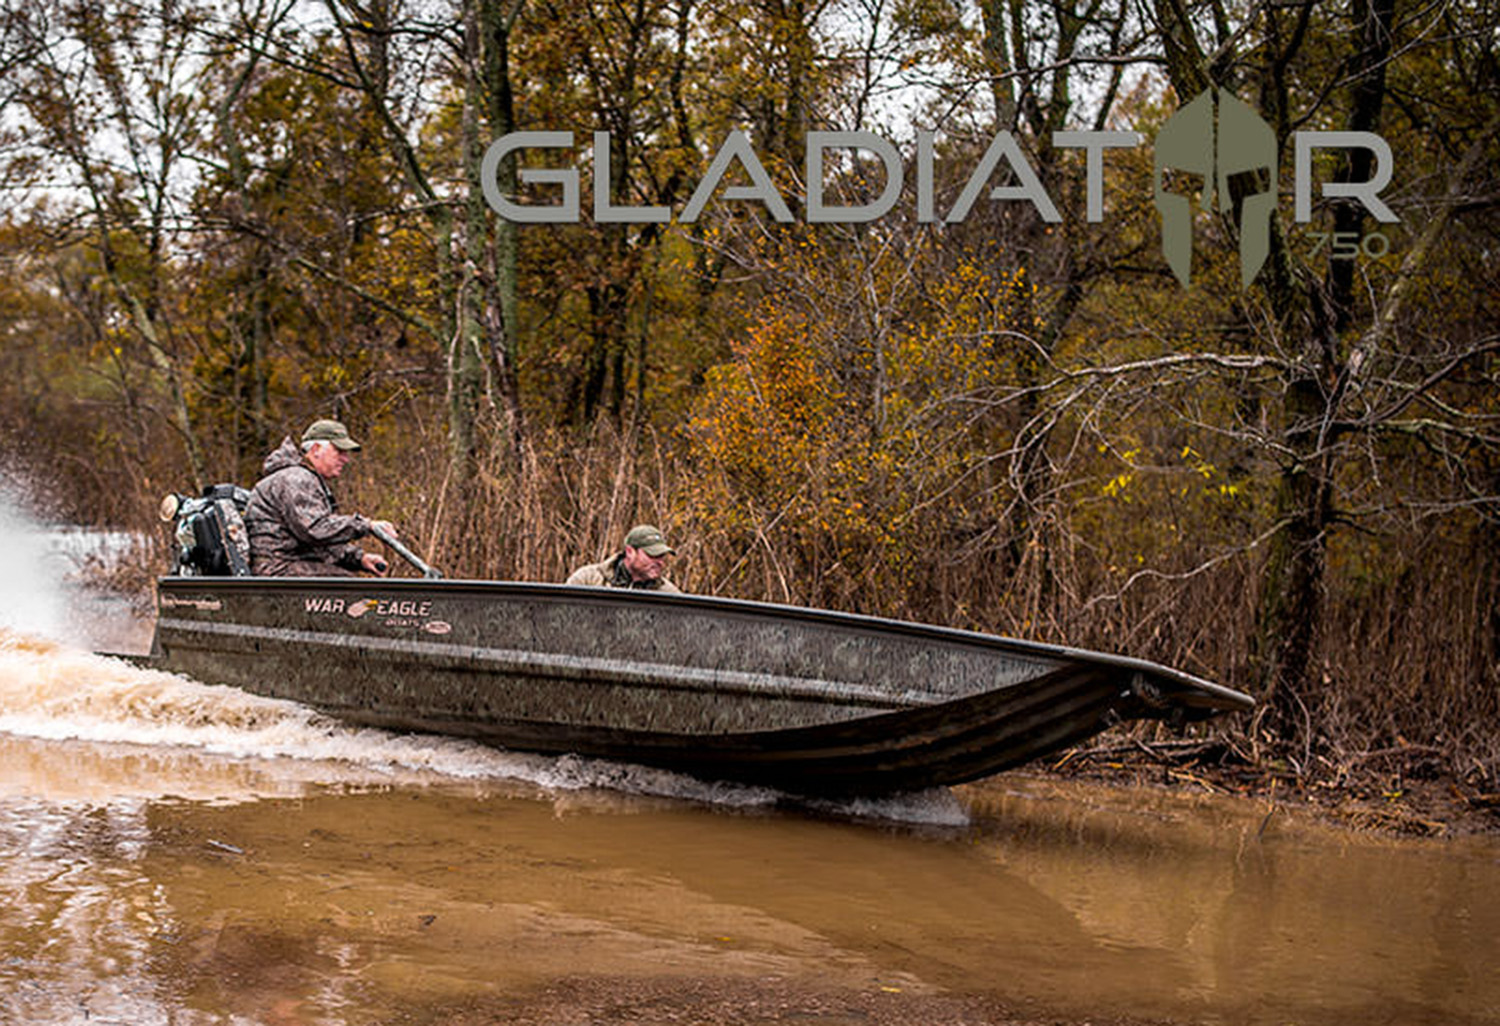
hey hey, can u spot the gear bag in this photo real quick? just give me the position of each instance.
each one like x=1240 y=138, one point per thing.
x=210 y=532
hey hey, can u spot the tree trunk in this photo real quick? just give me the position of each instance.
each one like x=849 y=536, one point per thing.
x=1291 y=605
x=1291 y=602
x=501 y=325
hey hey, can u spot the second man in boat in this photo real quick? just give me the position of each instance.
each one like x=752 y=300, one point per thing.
x=642 y=564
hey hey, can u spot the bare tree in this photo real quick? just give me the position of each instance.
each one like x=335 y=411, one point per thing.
x=1357 y=365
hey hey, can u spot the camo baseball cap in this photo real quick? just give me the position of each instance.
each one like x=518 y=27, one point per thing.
x=330 y=431
x=649 y=538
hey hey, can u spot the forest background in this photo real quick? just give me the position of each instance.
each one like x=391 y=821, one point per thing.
x=224 y=218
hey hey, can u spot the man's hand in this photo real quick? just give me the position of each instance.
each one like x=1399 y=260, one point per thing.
x=386 y=526
x=375 y=563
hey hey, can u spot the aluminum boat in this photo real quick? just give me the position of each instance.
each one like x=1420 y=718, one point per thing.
x=805 y=700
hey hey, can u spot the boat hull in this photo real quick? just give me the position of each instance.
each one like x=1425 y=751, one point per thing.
x=809 y=701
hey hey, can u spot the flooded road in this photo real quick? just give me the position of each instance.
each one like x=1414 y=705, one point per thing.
x=184 y=854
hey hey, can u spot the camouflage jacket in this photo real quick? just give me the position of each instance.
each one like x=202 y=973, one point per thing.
x=612 y=574
x=294 y=524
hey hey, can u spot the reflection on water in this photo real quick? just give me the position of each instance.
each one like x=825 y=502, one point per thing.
x=1262 y=920
x=181 y=854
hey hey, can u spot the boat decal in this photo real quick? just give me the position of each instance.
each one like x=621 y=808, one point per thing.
x=362 y=607
x=403 y=609
x=203 y=605
x=391 y=612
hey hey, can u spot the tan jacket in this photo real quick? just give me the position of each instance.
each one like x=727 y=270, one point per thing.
x=612 y=574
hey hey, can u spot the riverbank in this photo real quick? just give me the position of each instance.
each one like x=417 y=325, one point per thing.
x=1404 y=792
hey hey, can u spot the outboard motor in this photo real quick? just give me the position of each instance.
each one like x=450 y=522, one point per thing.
x=210 y=532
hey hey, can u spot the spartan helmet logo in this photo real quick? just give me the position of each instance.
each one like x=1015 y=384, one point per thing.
x=1240 y=170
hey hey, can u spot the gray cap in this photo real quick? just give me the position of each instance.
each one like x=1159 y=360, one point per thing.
x=330 y=431
x=649 y=538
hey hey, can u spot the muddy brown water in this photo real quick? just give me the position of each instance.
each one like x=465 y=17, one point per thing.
x=179 y=854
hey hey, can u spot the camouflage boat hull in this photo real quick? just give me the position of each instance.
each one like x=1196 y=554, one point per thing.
x=808 y=701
